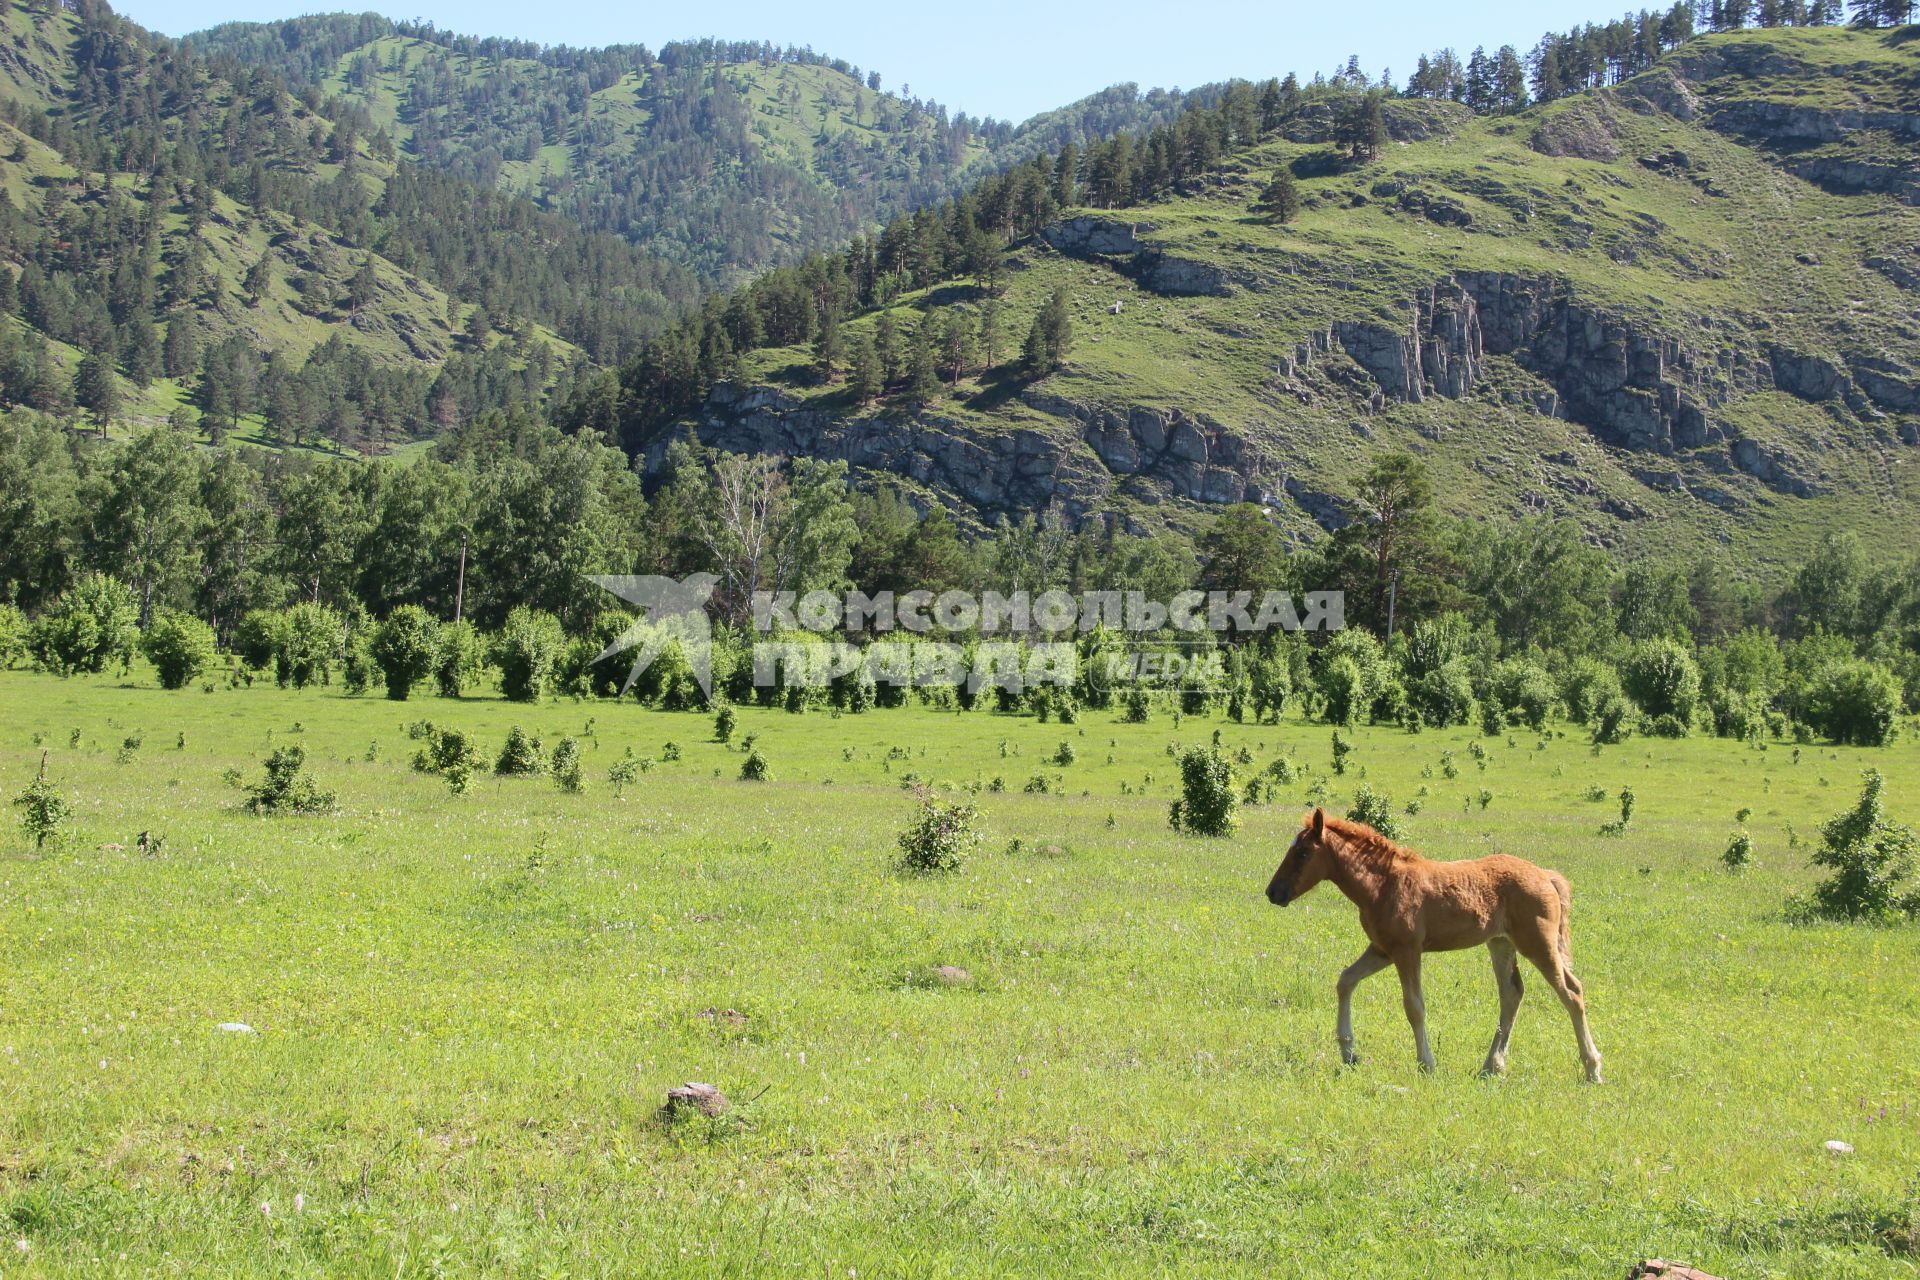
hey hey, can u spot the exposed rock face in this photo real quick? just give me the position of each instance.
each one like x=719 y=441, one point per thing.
x=1108 y=238
x=1088 y=236
x=1583 y=130
x=999 y=472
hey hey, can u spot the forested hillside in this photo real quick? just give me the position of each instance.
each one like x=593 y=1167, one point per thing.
x=724 y=156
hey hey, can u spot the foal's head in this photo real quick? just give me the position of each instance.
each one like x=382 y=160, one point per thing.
x=1309 y=861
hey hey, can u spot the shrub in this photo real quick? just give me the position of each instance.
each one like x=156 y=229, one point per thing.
x=566 y=768
x=755 y=768
x=624 y=770
x=1374 y=809
x=406 y=648
x=1854 y=702
x=1341 y=750
x=257 y=638
x=1493 y=720
x=723 y=725
x=14 y=630
x=1444 y=695
x=1066 y=754
x=449 y=753
x=521 y=757
x=1284 y=771
x=179 y=646
x=940 y=835
x=42 y=808
x=1588 y=686
x=1611 y=720
x=1343 y=690
x=1660 y=676
x=1739 y=854
x=1668 y=726
x=92 y=624
x=1135 y=706
x=1269 y=685
x=458 y=658
x=527 y=647
x=287 y=787
x=309 y=639
x=1870 y=858
x=1207 y=794
x=1525 y=691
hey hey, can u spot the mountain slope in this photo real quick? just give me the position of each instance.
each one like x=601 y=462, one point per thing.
x=726 y=157
x=1681 y=310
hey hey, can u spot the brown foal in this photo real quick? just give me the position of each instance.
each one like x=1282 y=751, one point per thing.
x=1410 y=905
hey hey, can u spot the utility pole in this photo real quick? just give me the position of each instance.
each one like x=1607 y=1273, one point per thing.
x=460 y=587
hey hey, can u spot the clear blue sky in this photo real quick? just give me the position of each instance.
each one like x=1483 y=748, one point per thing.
x=1007 y=60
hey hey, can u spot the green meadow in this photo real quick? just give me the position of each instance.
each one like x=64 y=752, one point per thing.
x=466 y=1009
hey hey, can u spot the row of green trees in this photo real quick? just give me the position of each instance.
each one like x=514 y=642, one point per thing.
x=507 y=524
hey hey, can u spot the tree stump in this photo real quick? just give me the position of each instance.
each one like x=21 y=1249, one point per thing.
x=694 y=1096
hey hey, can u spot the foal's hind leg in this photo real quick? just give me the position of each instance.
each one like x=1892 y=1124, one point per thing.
x=1506 y=976
x=1555 y=967
x=1416 y=1005
x=1369 y=963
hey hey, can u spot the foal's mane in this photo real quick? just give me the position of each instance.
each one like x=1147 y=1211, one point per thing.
x=1367 y=844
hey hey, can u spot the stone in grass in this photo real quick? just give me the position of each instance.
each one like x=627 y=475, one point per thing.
x=237 y=1028
x=694 y=1096
x=1661 y=1269
x=951 y=975
x=1839 y=1148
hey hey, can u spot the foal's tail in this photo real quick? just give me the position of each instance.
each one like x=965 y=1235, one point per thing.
x=1564 y=942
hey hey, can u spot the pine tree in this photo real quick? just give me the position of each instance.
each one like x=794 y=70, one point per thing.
x=258 y=280
x=1280 y=201
x=990 y=331
x=864 y=382
x=826 y=347
x=96 y=390
x=1049 y=337
x=956 y=345
x=886 y=348
x=923 y=379
x=1066 y=187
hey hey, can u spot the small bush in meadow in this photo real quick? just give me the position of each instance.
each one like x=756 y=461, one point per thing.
x=1857 y=703
x=405 y=647
x=1871 y=859
x=14 y=630
x=623 y=772
x=1066 y=754
x=1135 y=707
x=1341 y=750
x=459 y=655
x=308 y=639
x=43 y=809
x=755 y=768
x=526 y=650
x=91 y=625
x=1207 y=794
x=287 y=787
x=1739 y=854
x=723 y=725
x=1374 y=809
x=1661 y=677
x=450 y=754
x=568 y=773
x=1612 y=720
x=179 y=646
x=1285 y=771
x=522 y=756
x=940 y=835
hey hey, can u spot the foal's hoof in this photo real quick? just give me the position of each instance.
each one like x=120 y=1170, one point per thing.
x=1493 y=1070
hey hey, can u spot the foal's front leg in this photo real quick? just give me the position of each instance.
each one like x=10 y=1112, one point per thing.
x=1416 y=1005
x=1369 y=963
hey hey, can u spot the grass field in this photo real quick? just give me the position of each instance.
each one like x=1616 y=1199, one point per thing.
x=468 y=1009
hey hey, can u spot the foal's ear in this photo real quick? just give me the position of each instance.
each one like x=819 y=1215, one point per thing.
x=1319 y=822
